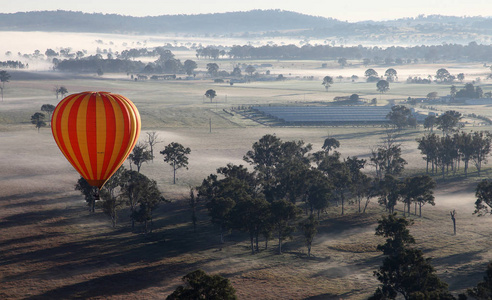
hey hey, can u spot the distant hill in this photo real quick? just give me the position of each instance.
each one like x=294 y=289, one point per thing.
x=232 y=22
x=429 y=30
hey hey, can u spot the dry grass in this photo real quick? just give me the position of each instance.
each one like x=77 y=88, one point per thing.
x=52 y=247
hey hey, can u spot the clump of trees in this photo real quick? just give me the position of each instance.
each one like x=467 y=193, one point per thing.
x=447 y=151
x=200 y=285
x=289 y=178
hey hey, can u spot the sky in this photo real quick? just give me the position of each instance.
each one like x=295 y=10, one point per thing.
x=344 y=10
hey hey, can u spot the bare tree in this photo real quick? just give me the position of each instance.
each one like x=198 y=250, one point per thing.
x=453 y=217
x=152 y=140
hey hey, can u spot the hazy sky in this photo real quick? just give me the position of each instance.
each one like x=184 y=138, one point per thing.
x=350 y=10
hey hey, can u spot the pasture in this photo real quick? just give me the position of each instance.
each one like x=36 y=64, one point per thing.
x=52 y=247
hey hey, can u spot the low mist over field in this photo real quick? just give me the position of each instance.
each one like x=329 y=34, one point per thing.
x=281 y=156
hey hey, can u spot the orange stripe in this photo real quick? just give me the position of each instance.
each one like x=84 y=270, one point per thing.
x=100 y=134
x=69 y=122
x=78 y=131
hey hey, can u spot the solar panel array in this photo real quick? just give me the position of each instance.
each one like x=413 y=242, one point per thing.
x=326 y=113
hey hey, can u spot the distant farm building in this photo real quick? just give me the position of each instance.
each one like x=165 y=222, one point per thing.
x=334 y=115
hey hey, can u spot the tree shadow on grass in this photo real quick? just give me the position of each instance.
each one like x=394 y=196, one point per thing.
x=117 y=284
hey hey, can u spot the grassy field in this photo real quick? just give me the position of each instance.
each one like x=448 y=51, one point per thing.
x=53 y=248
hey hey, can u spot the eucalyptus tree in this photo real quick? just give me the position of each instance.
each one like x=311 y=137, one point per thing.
x=38 y=120
x=48 y=108
x=327 y=82
x=338 y=173
x=111 y=198
x=330 y=144
x=4 y=77
x=139 y=155
x=309 y=230
x=449 y=122
x=419 y=190
x=382 y=86
x=210 y=94
x=176 y=155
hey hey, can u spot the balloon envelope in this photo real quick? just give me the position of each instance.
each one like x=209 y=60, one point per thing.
x=96 y=131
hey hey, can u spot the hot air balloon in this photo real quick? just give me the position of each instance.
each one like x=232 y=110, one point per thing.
x=96 y=131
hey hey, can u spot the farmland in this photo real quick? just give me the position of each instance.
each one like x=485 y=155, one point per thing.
x=54 y=248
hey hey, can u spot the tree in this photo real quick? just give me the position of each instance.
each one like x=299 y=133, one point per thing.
x=189 y=66
x=193 y=202
x=236 y=72
x=405 y=271
x=339 y=175
x=342 y=61
x=483 y=192
x=211 y=94
x=449 y=121
x=388 y=192
x=354 y=98
x=330 y=144
x=152 y=140
x=48 y=108
x=327 y=82
x=51 y=53
x=461 y=77
x=428 y=146
x=38 y=120
x=483 y=290
x=418 y=189
x=391 y=75
x=149 y=197
x=111 y=201
x=4 y=77
x=176 y=155
x=370 y=73
x=265 y=155
x=91 y=193
x=250 y=69
x=432 y=95
x=139 y=155
x=199 y=285
x=382 y=86
x=399 y=116
x=309 y=229
x=284 y=213
x=453 y=91
x=429 y=122
x=212 y=69
x=388 y=157
x=452 y=214
x=248 y=214
x=442 y=74
x=62 y=91
x=318 y=190
x=481 y=142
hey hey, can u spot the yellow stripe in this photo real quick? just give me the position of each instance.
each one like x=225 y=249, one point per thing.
x=133 y=127
x=82 y=134
x=101 y=134
x=54 y=124
x=66 y=137
x=119 y=134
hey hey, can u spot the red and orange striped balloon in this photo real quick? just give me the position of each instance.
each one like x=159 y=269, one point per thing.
x=96 y=131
